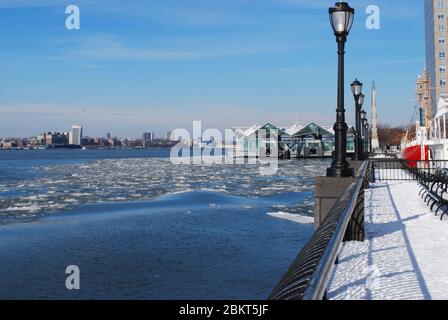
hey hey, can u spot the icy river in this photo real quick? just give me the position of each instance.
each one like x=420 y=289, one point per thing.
x=139 y=227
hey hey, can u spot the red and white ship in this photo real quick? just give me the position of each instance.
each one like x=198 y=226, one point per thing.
x=416 y=145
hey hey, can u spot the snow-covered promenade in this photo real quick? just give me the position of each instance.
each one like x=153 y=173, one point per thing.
x=405 y=255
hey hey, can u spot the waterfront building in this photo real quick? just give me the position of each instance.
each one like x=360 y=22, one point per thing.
x=76 y=136
x=256 y=140
x=312 y=140
x=112 y=142
x=48 y=138
x=124 y=142
x=351 y=139
x=108 y=136
x=9 y=144
x=147 y=138
x=436 y=43
x=296 y=127
x=169 y=135
x=40 y=139
x=56 y=138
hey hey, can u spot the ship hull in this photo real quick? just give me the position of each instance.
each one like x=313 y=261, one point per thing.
x=415 y=153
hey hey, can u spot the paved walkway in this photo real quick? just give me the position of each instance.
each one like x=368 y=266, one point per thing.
x=405 y=255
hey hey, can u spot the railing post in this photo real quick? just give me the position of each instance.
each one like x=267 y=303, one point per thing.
x=372 y=172
x=356 y=229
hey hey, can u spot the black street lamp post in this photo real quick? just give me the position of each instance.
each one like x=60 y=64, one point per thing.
x=363 y=121
x=341 y=18
x=359 y=100
x=366 y=134
x=368 y=140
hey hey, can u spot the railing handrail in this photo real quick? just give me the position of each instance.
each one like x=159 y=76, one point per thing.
x=316 y=282
x=403 y=169
x=404 y=160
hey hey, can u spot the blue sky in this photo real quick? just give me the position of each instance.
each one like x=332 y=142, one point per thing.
x=142 y=65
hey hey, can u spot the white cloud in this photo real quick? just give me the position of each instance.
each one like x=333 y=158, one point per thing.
x=112 y=47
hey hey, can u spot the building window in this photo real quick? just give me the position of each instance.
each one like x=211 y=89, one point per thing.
x=441 y=16
x=442 y=82
x=442 y=68
x=441 y=41
x=442 y=55
x=441 y=27
x=440 y=4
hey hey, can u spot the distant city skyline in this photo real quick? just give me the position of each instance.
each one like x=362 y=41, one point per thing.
x=80 y=132
x=159 y=65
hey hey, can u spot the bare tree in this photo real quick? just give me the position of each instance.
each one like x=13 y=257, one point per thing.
x=390 y=136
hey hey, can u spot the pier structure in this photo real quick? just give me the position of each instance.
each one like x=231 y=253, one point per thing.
x=298 y=141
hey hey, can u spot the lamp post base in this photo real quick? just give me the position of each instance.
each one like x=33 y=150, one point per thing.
x=340 y=172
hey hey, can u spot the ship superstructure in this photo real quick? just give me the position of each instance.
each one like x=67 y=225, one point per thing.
x=417 y=139
x=430 y=140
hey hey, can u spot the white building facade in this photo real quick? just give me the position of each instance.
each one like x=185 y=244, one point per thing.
x=76 y=136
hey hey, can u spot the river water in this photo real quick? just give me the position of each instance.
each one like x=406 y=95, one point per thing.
x=140 y=227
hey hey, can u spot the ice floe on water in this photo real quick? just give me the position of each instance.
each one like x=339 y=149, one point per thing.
x=292 y=217
x=60 y=187
x=24 y=208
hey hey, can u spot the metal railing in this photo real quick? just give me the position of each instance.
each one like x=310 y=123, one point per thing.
x=404 y=170
x=434 y=191
x=307 y=278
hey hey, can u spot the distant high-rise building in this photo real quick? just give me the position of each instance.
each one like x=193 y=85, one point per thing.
x=436 y=34
x=169 y=135
x=108 y=136
x=76 y=136
x=147 y=137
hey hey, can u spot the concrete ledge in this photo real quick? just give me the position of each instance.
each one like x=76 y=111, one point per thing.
x=327 y=193
x=356 y=164
x=329 y=190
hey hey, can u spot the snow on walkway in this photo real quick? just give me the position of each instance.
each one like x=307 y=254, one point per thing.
x=405 y=255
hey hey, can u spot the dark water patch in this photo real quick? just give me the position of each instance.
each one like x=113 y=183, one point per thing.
x=157 y=250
